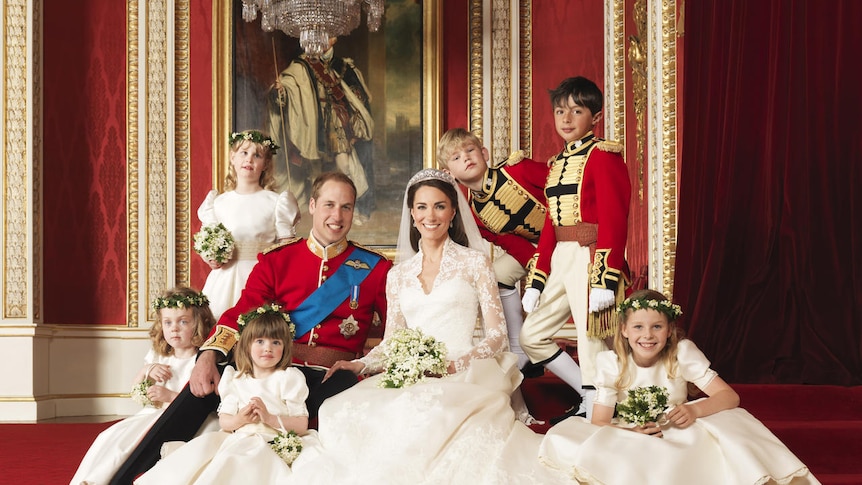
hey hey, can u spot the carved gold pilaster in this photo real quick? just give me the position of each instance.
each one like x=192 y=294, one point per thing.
x=476 y=73
x=158 y=151
x=22 y=161
x=501 y=81
x=525 y=94
x=662 y=79
x=132 y=165
x=615 y=76
x=181 y=142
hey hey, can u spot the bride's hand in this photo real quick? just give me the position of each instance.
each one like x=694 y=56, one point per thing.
x=354 y=366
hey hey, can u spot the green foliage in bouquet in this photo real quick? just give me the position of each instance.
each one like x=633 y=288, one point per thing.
x=410 y=355
x=214 y=243
x=643 y=405
x=287 y=445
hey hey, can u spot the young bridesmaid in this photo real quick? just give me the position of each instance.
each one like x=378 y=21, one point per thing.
x=265 y=396
x=183 y=322
x=706 y=441
x=256 y=216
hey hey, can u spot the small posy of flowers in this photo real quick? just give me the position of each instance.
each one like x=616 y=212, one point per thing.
x=643 y=405
x=139 y=393
x=664 y=306
x=214 y=243
x=409 y=356
x=274 y=308
x=287 y=445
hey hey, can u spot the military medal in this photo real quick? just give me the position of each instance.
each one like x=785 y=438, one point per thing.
x=354 y=297
x=349 y=326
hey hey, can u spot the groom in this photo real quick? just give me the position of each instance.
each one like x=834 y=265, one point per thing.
x=331 y=289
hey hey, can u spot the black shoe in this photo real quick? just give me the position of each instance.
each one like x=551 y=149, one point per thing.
x=580 y=410
x=531 y=370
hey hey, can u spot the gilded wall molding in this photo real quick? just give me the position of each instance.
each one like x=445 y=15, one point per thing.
x=182 y=150
x=501 y=80
x=132 y=185
x=158 y=151
x=525 y=77
x=22 y=195
x=476 y=54
x=157 y=120
x=615 y=76
x=662 y=85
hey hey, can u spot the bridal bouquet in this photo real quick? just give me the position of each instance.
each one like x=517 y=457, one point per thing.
x=214 y=243
x=643 y=405
x=287 y=446
x=410 y=354
x=139 y=393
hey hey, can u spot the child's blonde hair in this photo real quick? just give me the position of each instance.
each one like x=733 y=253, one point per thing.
x=269 y=325
x=453 y=140
x=623 y=349
x=264 y=146
x=182 y=297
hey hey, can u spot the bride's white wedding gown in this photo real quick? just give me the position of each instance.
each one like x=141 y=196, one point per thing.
x=456 y=429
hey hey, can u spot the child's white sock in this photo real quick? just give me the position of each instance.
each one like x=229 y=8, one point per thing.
x=513 y=312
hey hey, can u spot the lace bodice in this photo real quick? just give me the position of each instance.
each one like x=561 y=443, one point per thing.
x=465 y=289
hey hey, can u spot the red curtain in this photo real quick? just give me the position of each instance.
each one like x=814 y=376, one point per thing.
x=769 y=261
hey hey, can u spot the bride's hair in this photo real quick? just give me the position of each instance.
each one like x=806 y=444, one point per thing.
x=456 y=230
x=463 y=231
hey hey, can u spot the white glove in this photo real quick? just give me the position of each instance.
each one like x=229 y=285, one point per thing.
x=600 y=298
x=530 y=300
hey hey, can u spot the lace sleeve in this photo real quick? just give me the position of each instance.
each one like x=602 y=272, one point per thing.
x=374 y=361
x=496 y=339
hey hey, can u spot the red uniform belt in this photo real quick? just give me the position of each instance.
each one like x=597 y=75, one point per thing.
x=583 y=233
x=318 y=355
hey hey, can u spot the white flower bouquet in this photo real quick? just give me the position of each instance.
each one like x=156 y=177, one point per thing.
x=214 y=243
x=410 y=355
x=139 y=393
x=643 y=405
x=287 y=445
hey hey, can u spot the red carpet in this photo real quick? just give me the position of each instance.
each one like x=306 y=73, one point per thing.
x=44 y=454
x=822 y=425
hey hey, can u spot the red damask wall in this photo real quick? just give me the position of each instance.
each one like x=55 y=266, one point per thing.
x=84 y=168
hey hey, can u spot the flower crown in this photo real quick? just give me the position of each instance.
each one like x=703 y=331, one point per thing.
x=273 y=308
x=254 y=137
x=432 y=173
x=664 y=306
x=181 y=301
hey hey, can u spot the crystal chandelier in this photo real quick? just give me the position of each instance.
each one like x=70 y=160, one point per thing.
x=313 y=21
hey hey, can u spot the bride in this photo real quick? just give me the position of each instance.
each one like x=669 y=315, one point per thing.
x=460 y=428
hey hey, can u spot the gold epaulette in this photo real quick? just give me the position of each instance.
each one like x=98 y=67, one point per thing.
x=513 y=159
x=275 y=246
x=370 y=250
x=610 y=146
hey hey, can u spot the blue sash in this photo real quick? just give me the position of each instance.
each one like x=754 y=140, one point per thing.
x=332 y=293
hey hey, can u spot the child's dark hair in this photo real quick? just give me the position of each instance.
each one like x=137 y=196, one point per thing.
x=269 y=325
x=456 y=231
x=203 y=317
x=583 y=91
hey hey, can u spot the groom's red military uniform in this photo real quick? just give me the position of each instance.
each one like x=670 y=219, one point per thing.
x=287 y=274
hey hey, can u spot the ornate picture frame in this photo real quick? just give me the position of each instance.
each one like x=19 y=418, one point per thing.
x=400 y=65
